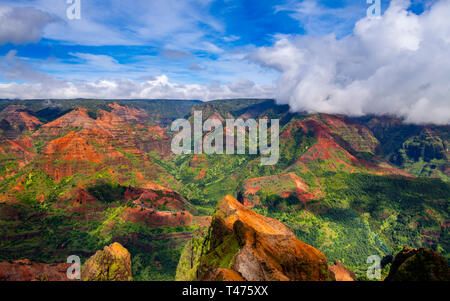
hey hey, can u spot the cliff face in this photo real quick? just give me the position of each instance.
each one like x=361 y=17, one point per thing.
x=243 y=245
x=107 y=172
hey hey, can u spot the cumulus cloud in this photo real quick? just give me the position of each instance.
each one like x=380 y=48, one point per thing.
x=395 y=64
x=22 y=25
x=39 y=85
x=101 y=76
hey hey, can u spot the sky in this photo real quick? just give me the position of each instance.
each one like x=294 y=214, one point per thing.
x=315 y=55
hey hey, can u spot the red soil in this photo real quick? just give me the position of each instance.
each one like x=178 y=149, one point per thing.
x=25 y=270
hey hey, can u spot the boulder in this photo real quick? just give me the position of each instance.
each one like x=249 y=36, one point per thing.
x=113 y=263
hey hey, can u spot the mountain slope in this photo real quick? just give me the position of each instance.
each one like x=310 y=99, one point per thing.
x=77 y=174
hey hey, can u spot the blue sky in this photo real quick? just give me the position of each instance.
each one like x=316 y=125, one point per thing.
x=315 y=55
x=188 y=41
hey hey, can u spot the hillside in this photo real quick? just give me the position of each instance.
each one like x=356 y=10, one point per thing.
x=77 y=175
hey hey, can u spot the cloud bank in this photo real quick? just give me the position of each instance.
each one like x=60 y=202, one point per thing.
x=395 y=64
x=158 y=88
x=39 y=85
x=26 y=81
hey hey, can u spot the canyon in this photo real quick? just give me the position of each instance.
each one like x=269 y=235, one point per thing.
x=79 y=175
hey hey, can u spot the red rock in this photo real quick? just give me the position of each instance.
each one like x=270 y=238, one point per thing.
x=266 y=249
x=25 y=270
x=72 y=147
x=341 y=273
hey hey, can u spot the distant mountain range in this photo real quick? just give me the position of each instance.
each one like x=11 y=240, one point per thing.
x=78 y=175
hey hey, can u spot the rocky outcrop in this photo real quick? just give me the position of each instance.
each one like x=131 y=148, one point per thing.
x=341 y=273
x=25 y=270
x=113 y=263
x=19 y=116
x=222 y=274
x=243 y=245
x=421 y=264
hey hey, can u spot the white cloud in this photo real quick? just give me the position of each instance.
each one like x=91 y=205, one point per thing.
x=231 y=38
x=97 y=61
x=22 y=25
x=39 y=85
x=160 y=23
x=397 y=64
x=160 y=87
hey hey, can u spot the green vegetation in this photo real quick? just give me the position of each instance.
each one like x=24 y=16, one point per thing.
x=107 y=192
x=353 y=213
x=363 y=215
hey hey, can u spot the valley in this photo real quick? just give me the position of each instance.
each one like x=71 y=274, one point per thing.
x=79 y=175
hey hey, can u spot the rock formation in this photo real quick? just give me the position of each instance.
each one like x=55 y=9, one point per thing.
x=421 y=264
x=341 y=273
x=113 y=263
x=243 y=245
